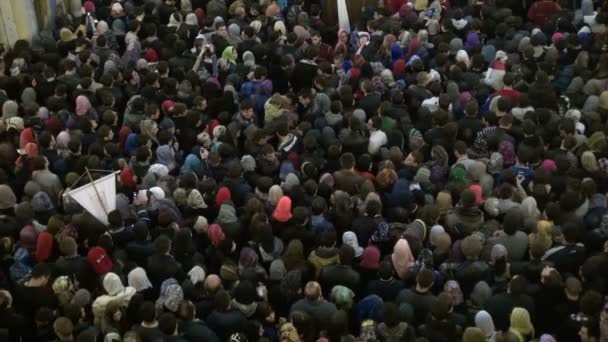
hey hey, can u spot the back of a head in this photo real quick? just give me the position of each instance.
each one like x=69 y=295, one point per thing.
x=513 y=221
x=41 y=270
x=167 y=323
x=147 y=312
x=163 y=244
x=312 y=291
x=347 y=254
x=424 y=278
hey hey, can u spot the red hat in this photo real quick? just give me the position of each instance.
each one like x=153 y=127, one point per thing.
x=168 y=105
x=282 y=212
x=99 y=260
x=151 y=56
x=89 y=6
x=223 y=195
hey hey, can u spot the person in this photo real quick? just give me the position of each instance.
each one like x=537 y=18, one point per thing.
x=315 y=305
x=427 y=170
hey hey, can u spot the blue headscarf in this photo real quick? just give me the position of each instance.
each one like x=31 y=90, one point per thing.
x=370 y=307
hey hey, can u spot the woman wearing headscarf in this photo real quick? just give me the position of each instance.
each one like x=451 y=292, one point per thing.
x=521 y=326
x=138 y=279
x=294 y=258
x=496 y=71
x=248 y=260
x=115 y=292
x=194 y=285
x=484 y=321
x=402 y=258
x=171 y=296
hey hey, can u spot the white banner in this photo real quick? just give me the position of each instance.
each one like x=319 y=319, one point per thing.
x=343 y=15
x=98 y=203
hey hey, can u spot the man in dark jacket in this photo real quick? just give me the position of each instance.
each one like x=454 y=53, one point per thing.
x=420 y=298
x=371 y=100
x=73 y=265
x=569 y=256
x=162 y=265
x=386 y=286
x=347 y=179
x=191 y=328
x=305 y=70
x=148 y=329
x=314 y=305
x=223 y=320
x=141 y=248
x=121 y=234
x=341 y=274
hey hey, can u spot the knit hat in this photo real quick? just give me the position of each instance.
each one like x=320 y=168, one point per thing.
x=99 y=260
x=7 y=197
x=282 y=212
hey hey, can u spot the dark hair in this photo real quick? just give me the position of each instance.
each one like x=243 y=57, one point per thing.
x=425 y=278
x=347 y=160
x=147 y=311
x=41 y=270
x=115 y=219
x=319 y=205
x=163 y=244
x=346 y=254
x=167 y=323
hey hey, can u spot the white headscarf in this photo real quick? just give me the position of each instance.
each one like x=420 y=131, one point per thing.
x=138 y=279
x=197 y=275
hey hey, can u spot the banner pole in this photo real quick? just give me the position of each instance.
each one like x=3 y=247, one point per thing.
x=96 y=191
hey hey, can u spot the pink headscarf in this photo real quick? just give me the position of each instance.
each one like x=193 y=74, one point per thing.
x=478 y=191
x=402 y=258
x=83 y=105
x=215 y=234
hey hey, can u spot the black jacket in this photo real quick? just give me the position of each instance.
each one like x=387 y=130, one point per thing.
x=196 y=331
x=386 y=289
x=76 y=267
x=140 y=251
x=162 y=267
x=344 y=275
x=303 y=75
x=225 y=323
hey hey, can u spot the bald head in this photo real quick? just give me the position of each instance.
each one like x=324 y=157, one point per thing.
x=213 y=283
x=312 y=290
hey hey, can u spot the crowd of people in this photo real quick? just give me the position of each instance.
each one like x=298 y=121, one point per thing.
x=430 y=170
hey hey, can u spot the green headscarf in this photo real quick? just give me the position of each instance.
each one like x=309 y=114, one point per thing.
x=342 y=296
x=230 y=54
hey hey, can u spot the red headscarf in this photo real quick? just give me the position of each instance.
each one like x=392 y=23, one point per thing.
x=44 y=247
x=200 y=16
x=26 y=136
x=223 y=195
x=215 y=234
x=282 y=212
